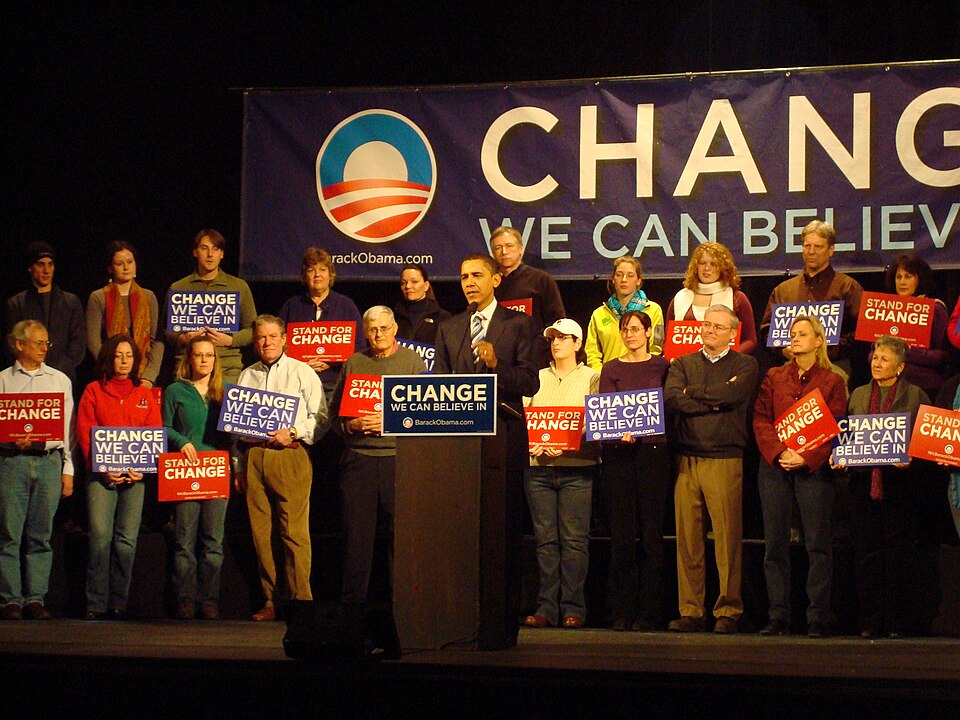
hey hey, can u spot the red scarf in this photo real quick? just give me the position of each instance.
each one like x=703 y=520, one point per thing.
x=876 y=475
x=117 y=323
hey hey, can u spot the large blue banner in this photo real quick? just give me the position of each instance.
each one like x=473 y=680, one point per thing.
x=591 y=170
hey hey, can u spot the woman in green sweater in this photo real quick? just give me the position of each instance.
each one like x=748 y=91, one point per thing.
x=191 y=407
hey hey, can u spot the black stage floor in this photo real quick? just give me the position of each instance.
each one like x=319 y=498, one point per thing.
x=235 y=669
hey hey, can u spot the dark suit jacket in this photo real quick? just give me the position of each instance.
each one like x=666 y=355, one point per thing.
x=67 y=326
x=512 y=335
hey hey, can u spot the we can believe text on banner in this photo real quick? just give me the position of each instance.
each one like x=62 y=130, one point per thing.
x=591 y=170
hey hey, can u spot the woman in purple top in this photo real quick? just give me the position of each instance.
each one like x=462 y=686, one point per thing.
x=636 y=480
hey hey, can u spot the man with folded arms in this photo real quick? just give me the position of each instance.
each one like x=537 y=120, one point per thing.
x=708 y=393
x=33 y=477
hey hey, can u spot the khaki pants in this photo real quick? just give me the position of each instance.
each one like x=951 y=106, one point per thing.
x=716 y=483
x=278 y=485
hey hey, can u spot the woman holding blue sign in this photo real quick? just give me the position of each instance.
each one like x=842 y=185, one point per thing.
x=786 y=474
x=604 y=342
x=636 y=480
x=883 y=515
x=559 y=487
x=114 y=499
x=191 y=407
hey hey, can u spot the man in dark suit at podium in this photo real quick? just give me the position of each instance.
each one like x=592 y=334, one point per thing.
x=489 y=338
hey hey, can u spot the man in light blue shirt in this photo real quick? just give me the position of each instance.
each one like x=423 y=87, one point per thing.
x=33 y=477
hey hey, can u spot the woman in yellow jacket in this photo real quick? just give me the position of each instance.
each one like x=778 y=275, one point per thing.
x=603 y=334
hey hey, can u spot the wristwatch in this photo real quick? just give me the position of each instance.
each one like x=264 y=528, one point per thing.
x=293 y=433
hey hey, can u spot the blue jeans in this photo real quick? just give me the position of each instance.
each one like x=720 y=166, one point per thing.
x=814 y=492
x=559 y=500
x=29 y=493
x=198 y=522
x=114 y=524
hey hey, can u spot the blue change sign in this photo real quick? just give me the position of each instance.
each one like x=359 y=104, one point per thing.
x=426 y=352
x=254 y=413
x=189 y=310
x=440 y=405
x=867 y=440
x=115 y=449
x=638 y=412
x=829 y=312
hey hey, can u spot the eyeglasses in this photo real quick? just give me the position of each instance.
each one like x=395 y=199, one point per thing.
x=40 y=343
x=560 y=337
x=715 y=326
x=633 y=330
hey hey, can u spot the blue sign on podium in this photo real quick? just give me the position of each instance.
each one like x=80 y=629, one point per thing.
x=440 y=404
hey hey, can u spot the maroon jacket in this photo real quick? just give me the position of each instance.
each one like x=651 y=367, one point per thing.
x=780 y=389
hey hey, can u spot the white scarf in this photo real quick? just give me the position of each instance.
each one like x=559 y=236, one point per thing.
x=720 y=295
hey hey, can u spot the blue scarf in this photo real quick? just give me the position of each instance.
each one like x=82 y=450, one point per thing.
x=637 y=302
x=955 y=476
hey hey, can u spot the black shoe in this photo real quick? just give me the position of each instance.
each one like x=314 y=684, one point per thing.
x=776 y=626
x=115 y=614
x=641 y=625
x=620 y=624
x=816 y=629
x=11 y=611
x=94 y=616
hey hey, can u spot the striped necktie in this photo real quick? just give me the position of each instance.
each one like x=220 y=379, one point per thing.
x=476 y=335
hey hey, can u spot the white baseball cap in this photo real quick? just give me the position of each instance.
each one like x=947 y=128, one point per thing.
x=564 y=326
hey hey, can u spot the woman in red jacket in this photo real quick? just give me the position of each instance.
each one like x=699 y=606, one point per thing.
x=785 y=474
x=114 y=499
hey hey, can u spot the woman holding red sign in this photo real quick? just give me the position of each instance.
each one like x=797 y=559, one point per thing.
x=636 y=482
x=910 y=276
x=114 y=499
x=559 y=487
x=883 y=515
x=712 y=279
x=191 y=407
x=786 y=474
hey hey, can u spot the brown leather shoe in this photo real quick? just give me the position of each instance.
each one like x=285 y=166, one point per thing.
x=535 y=621
x=572 y=622
x=686 y=624
x=264 y=614
x=36 y=611
x=725 y=626
x=209 y=611
x=11 y=611
x=186 y=610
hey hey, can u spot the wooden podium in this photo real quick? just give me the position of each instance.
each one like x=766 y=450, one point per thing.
x=450 y=557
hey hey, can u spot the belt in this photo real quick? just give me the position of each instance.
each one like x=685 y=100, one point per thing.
x=4 y=452
x=267 y=446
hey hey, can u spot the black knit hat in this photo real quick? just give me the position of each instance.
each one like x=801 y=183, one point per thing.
x=39 y=250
